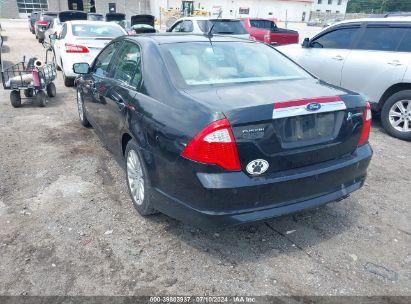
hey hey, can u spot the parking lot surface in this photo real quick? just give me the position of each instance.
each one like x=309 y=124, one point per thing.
x=68 y=226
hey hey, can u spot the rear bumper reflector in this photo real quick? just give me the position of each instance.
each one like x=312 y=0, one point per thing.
x=292 y=108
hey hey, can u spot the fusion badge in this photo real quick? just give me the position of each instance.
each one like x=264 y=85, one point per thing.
x=257 y=167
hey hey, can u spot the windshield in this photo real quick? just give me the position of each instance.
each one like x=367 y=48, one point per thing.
x=264 y=24
x=96 y=30
x=233 y=27
x=201 y=63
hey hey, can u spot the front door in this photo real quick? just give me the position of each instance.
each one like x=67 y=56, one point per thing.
x=96 y=86
x=327 y=53
x=378 y=61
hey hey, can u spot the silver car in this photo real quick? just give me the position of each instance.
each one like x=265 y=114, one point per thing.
x=201 y=25
x=370 y=56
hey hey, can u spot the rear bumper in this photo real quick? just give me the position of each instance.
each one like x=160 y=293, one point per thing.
x=234 y=198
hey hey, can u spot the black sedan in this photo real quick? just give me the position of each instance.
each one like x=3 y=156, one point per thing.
x=222 y=131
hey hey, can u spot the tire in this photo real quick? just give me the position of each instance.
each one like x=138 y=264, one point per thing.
x=68 y=81
x=134 y=164
x=28 y=93
x=15 y=99
x=51 y=90
x=80 y=108
x=395 y=125
x=41 y=98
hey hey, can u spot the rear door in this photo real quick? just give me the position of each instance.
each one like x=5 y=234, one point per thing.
x=327 y=53
x=376 y=63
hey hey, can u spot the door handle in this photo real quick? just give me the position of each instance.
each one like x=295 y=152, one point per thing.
x=394 y=62
x=338 y=57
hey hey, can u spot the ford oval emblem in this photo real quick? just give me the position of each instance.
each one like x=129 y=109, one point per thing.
x=314 y=106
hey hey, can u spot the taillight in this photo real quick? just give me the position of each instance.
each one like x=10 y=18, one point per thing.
x=75 y=48
x=365 y=133
x=215 y=144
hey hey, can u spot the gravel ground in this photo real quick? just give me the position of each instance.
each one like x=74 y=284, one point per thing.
x=68 y=226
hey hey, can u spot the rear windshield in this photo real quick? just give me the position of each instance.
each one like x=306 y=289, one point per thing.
x=264 y=24
x=202 y=63
x=49 y=17
x=96 y=30
x=68 y=16
x=96 y=17
x=231 y=27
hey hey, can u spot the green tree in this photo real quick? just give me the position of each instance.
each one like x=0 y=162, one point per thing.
x=396 y=5
x=364 y=6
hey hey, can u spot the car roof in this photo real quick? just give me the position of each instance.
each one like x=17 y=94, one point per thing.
x=167 y=38
x=91 y=22
x=208 y=18
x=386 y=20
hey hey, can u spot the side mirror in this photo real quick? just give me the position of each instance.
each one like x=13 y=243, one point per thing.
x=53 y=37
x=81 y=68
x=306 y=43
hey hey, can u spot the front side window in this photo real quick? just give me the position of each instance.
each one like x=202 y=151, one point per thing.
x=203 y=63
x=102 y=62
x=382 y=38
x=405 y=45
x=128 y=65
x=338 y=39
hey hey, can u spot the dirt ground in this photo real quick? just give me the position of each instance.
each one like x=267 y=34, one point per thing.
x=68 y=227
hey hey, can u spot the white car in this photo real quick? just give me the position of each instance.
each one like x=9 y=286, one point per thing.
x=370 y=56
x=82 y=41
x=201 y=25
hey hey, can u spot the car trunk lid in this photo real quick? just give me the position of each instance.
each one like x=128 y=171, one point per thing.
x=318 y=124
x=142 y=19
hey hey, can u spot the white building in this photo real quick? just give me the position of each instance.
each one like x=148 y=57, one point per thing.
x=330 y=6
x=292 y=10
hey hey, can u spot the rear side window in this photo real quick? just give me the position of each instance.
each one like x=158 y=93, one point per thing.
x=405 y=45
x=102 y=62
x=263 y=24
x=338 y=39
x=381 y=38
x=63 y=31
x=231 y=27
x=185 y=26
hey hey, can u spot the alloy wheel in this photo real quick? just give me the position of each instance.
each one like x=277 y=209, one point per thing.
x=135 y=177
x=400 y=115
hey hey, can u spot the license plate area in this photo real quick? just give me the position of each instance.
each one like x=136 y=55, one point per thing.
x=303 y=130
